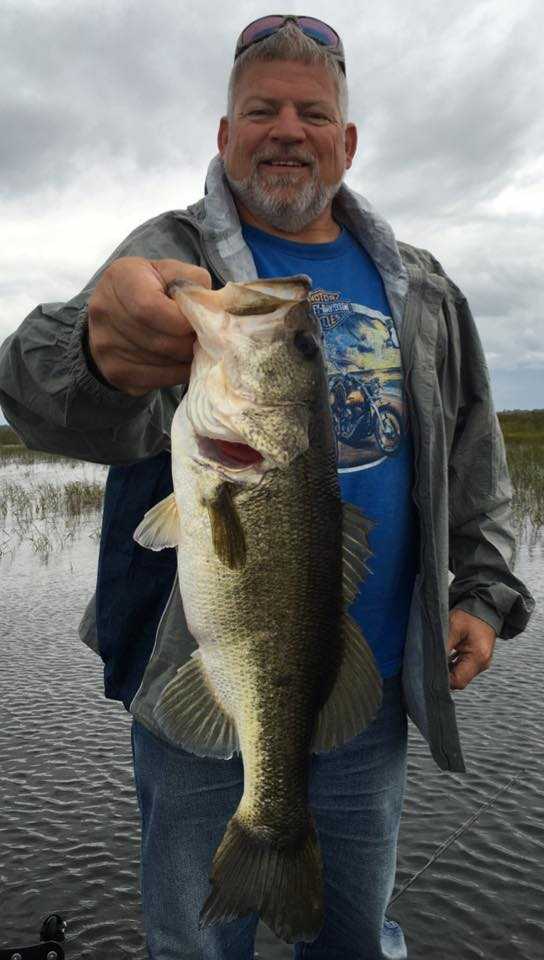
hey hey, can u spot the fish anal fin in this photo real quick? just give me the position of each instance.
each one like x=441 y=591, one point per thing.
x=160 y=526
x=191 y=716
x=356 y=696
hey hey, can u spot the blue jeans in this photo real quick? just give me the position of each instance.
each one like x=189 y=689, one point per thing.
x=356 y=795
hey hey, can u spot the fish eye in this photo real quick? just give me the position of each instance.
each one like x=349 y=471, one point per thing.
x=305 y=344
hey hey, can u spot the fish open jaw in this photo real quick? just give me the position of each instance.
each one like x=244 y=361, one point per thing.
x=228 y=454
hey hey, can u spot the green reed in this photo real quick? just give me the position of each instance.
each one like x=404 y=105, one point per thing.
x=45 y=499
x=12 y=450
x=526 y=465
x=47 y=515
x=523 y=432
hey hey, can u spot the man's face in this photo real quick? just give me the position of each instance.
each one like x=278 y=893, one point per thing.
x=286 y=111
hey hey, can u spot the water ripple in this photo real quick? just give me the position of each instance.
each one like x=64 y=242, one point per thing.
x=69 y=825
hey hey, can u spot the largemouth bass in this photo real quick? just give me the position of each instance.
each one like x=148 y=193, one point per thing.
x=268 y=561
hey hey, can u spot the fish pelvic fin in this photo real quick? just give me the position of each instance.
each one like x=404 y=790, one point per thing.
x=282 y=883
x=228 y=536
x=355 y=550
x=356 y=696
x=190 y=715
x=160 y=526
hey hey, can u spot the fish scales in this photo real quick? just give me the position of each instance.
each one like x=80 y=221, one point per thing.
x=278 y=617
x=262 y=578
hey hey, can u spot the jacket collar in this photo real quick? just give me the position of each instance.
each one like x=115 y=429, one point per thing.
x=219 y=223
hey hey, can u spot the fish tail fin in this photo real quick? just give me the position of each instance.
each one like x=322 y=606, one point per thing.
x=283 y=885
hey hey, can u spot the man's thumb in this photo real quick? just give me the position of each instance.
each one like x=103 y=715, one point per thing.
x=170 y=270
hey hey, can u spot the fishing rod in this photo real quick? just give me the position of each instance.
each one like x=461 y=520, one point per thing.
x=457 y=833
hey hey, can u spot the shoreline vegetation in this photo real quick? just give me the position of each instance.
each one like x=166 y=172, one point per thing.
x=30 y=503
x=45 y=512
x=523 y=432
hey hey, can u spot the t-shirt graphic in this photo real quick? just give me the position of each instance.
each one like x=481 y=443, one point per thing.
x=365 y=379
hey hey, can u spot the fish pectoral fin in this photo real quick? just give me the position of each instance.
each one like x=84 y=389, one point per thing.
x=228 y=536
x=190 y=715
x=160 y=526
x=356 y=696
x=355 y=550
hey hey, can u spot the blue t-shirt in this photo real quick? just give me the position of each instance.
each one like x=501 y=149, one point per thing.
x=375 y=457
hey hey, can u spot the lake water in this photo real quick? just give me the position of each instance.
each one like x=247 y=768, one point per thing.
x=69 y=825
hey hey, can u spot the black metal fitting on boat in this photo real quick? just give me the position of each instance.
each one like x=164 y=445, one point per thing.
x=52 y=936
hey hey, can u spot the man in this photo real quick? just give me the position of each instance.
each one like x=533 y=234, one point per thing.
x=98 y=378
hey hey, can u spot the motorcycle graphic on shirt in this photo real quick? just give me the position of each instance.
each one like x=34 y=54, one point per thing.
x=365 y=379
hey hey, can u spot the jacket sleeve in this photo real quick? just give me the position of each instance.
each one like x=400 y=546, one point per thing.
x=481 y=540
x=52 y=396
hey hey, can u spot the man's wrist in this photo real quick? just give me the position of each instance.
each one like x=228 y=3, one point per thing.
x=478 y=608
x=91 y=365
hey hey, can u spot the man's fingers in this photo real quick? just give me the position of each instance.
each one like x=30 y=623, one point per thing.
x=133 y=295
x=143 y=341
x=136 y=379
x=463 y=669
x=136 y=330
x=465 y=666
x=171 y=270
x=133 y=290
x=471 y=642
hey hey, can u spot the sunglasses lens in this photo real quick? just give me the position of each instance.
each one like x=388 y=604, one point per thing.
x=260 y=29
x=319 y=31
x=315 y=29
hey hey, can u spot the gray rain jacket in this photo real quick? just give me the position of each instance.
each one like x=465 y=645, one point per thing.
x=462 y=489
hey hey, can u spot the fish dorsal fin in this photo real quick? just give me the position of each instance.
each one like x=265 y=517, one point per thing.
x=355 y=550
x=190 y=714
x=160 y=526
x=356 y=695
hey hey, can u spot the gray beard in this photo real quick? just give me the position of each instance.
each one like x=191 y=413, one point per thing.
x=293 y=215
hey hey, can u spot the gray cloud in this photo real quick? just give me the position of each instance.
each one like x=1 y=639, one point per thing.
x=109 y=115
x=456 y=114
x=92 y=85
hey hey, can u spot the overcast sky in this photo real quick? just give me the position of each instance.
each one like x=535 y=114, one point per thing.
x=109 y=113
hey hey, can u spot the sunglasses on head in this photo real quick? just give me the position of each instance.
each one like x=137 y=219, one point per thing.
x=315 y=29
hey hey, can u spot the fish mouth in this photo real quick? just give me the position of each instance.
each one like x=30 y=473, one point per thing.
x=239 y=453
x=229 y=455
x=281 y=438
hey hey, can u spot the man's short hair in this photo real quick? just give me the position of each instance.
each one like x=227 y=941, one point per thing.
x=289 y=43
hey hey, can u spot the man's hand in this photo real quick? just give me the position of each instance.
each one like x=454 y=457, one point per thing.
x=473 y=641
x=138 y=338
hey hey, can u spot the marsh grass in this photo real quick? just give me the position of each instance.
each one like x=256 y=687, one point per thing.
x=12 y=450
x=523 y=432
x=46 y=499
x=8 y=437
x=526 y=464
x=47 y=515
x=522 y=426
